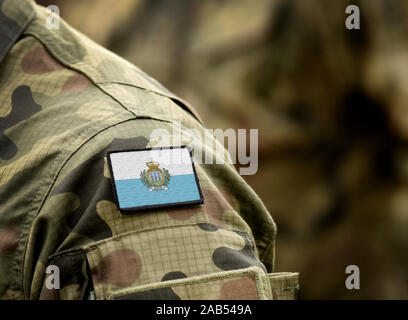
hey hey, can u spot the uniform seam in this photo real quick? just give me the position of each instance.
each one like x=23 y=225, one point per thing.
x=204 y=278
x=94 y=246
x=67 y=253
x=69 y=66
x=64 y=61
x=270 y=247
x=99 y=84
x=29 y=218
x=15 y=35
x=286 y=288
x=27 y=225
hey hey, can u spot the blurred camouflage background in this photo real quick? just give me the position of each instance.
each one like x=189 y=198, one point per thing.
x=331 y=106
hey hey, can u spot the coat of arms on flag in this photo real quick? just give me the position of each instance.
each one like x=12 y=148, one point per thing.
x=155 y=178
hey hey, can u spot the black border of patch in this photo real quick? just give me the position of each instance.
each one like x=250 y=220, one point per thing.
x=151 y=207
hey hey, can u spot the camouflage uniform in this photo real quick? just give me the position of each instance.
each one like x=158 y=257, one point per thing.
x=64 y=103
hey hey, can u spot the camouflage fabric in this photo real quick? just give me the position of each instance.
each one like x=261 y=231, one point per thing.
x=64 y=103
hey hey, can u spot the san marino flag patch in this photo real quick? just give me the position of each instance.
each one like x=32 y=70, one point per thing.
x=154 y=178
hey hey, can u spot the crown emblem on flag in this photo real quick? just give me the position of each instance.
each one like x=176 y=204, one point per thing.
x=153 y=165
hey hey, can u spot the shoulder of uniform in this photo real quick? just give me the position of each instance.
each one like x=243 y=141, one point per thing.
x=75 y=50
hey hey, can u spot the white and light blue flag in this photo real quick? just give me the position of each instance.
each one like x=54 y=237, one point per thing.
x=154 y=178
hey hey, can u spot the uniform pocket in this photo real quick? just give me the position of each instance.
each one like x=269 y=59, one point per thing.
x=192 y=261
x=172 y=253
x=246 y=284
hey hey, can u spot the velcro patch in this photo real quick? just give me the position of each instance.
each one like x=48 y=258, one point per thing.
x=154 y=178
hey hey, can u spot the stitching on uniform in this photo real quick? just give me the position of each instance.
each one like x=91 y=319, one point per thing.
x=62 y=59
x=285 y=274
x=135 y=86
x=98 y=85
x=259 y=287
x=90 y=247
x=27 y=222
x=170 y=96
x=69 y=252
x=266 y=252
x=79 y=250
x=67 y=65
x=240 y=273
x=286 y=288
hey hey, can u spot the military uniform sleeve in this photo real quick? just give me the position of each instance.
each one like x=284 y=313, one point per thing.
x=197 y=252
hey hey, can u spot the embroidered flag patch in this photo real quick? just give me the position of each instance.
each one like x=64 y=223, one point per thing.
x=154 y=178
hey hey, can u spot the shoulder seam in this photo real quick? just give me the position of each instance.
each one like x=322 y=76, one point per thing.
x=70 y=67
x=81 y=67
